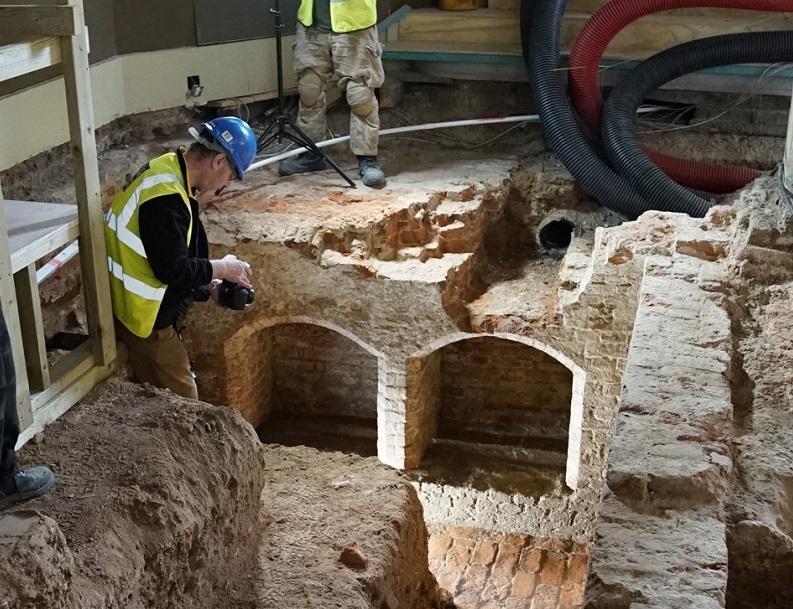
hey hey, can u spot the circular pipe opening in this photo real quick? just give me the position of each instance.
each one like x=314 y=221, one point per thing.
x=556 y=235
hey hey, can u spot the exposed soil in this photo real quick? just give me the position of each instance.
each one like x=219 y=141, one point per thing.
x=156 y=505
x=318 y=503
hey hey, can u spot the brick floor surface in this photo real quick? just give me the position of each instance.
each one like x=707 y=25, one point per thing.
x=487 y=570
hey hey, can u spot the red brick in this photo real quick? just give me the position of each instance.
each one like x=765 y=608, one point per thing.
x=516 y=538
x=545 y=597
x=577 y=568
x=448 y=579
x=352 y=557
x=458 y=556
x=573 y=595
x=582 y=548
x=438 y=544
x=530 y=560
x=474 y=578
x=523 y=584
x=467 y=600
x=506 y=561
x=484 y=552
x=555 y=545
x=463 y=533
x=554 y=568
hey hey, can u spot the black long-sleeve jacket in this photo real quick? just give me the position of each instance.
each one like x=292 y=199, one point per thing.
x=163 y=223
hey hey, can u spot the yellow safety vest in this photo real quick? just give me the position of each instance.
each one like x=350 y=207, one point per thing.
x=345 y=15
x=136 y=292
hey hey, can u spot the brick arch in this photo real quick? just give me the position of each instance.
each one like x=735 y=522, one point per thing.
x=440 y=343
x=417 y=374
x=270 y=322
x=247 y=374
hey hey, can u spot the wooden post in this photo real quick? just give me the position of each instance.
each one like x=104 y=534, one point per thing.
x=789 y=152
x=11 y=313
x=32 y=326
x=93 y=254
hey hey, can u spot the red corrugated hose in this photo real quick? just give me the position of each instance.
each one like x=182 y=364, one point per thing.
x=585 y=58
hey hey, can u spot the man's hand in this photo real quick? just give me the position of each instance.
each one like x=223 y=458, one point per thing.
x=232 y=269
x=214 y=291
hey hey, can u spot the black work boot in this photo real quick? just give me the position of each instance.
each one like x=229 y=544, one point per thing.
x=370 y=171
x=305 y=162
x=26 y=484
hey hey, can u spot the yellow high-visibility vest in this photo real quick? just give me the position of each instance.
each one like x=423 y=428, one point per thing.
x=345 y=15
x=137 y=293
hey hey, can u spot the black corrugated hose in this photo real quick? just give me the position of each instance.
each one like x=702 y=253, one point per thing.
x=643 y=186
x=540 y=28
x=623 y=149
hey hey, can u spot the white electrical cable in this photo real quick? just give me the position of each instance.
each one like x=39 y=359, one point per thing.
x=52 y=265
x=526 y=118
x=523 y=118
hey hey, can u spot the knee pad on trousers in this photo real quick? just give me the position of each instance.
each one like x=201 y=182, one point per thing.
x=360 y=98
x=309 y=87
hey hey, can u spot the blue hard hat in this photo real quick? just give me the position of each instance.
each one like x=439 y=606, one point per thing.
x=235 y=137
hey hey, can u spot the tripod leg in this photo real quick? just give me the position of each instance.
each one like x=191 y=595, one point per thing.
x=260 y=145
x=270 y=140
x=303 y=140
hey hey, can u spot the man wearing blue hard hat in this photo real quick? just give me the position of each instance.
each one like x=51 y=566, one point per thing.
x=158 y=253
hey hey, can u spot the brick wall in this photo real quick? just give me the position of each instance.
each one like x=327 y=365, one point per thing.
x=248 y=375
x=316 y=370
x=500 y=387
x=486 y=570
x=423 y=400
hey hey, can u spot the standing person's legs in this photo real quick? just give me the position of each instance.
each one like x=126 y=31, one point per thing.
x=160 y=359
x=313 y=66
x=9 y=426
x=359 y=67
x=15 y=484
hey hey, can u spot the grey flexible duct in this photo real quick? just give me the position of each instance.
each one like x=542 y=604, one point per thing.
x=622 y=148
x=540 y=30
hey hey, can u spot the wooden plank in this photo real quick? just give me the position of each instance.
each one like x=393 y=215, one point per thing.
x=639 y=40
x=21 y=21
x=480 y=26
x=654 y=33
x=93 y=254
x=71 y=388
x=32 y=326
x=24 y=57
x=393 y=19
x=70 y=367
x=456 y=48
x=8 y=303
x=590 y=6
x=37 y=229
x=504 y=5
x=789 y=152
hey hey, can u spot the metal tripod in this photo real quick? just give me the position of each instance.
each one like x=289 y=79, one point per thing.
x=282 y=127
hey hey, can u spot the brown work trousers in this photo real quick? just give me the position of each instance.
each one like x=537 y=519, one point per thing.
x=354 y=61
x=160 y=359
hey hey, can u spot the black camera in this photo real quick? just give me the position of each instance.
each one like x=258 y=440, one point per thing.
x=234 y=296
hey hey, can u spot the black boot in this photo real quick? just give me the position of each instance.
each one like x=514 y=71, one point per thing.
x=305 y=162
x=26 y=484
x=370 y=171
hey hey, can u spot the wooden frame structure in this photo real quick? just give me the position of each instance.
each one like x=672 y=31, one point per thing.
x=788 y=160
x=31 y=230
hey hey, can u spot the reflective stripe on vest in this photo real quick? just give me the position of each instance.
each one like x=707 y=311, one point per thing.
x=345 y=15
x=136 y=291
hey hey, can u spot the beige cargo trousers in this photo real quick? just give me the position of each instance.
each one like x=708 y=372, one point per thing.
x=355 y=60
